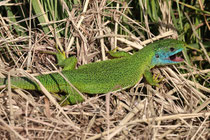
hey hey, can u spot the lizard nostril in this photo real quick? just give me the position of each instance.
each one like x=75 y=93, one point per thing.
x=172 y=49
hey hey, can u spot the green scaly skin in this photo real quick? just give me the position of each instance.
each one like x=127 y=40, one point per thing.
x=109 y=75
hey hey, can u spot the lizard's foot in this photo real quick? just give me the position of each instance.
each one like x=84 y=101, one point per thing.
x=118 y=54
x=156 y=79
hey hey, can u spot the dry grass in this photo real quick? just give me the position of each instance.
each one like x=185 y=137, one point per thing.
x=177 y=109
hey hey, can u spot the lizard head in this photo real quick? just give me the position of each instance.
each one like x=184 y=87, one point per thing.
x=166 y=52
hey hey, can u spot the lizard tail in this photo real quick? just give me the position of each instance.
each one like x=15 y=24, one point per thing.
x=20 y=82
x=2 y=81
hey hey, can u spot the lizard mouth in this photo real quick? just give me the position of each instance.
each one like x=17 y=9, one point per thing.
x=175 y=58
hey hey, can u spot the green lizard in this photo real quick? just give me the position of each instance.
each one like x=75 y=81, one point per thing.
x=109 y=75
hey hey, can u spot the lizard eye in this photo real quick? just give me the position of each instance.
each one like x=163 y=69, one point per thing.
x=156 y=55
x=172 y=49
